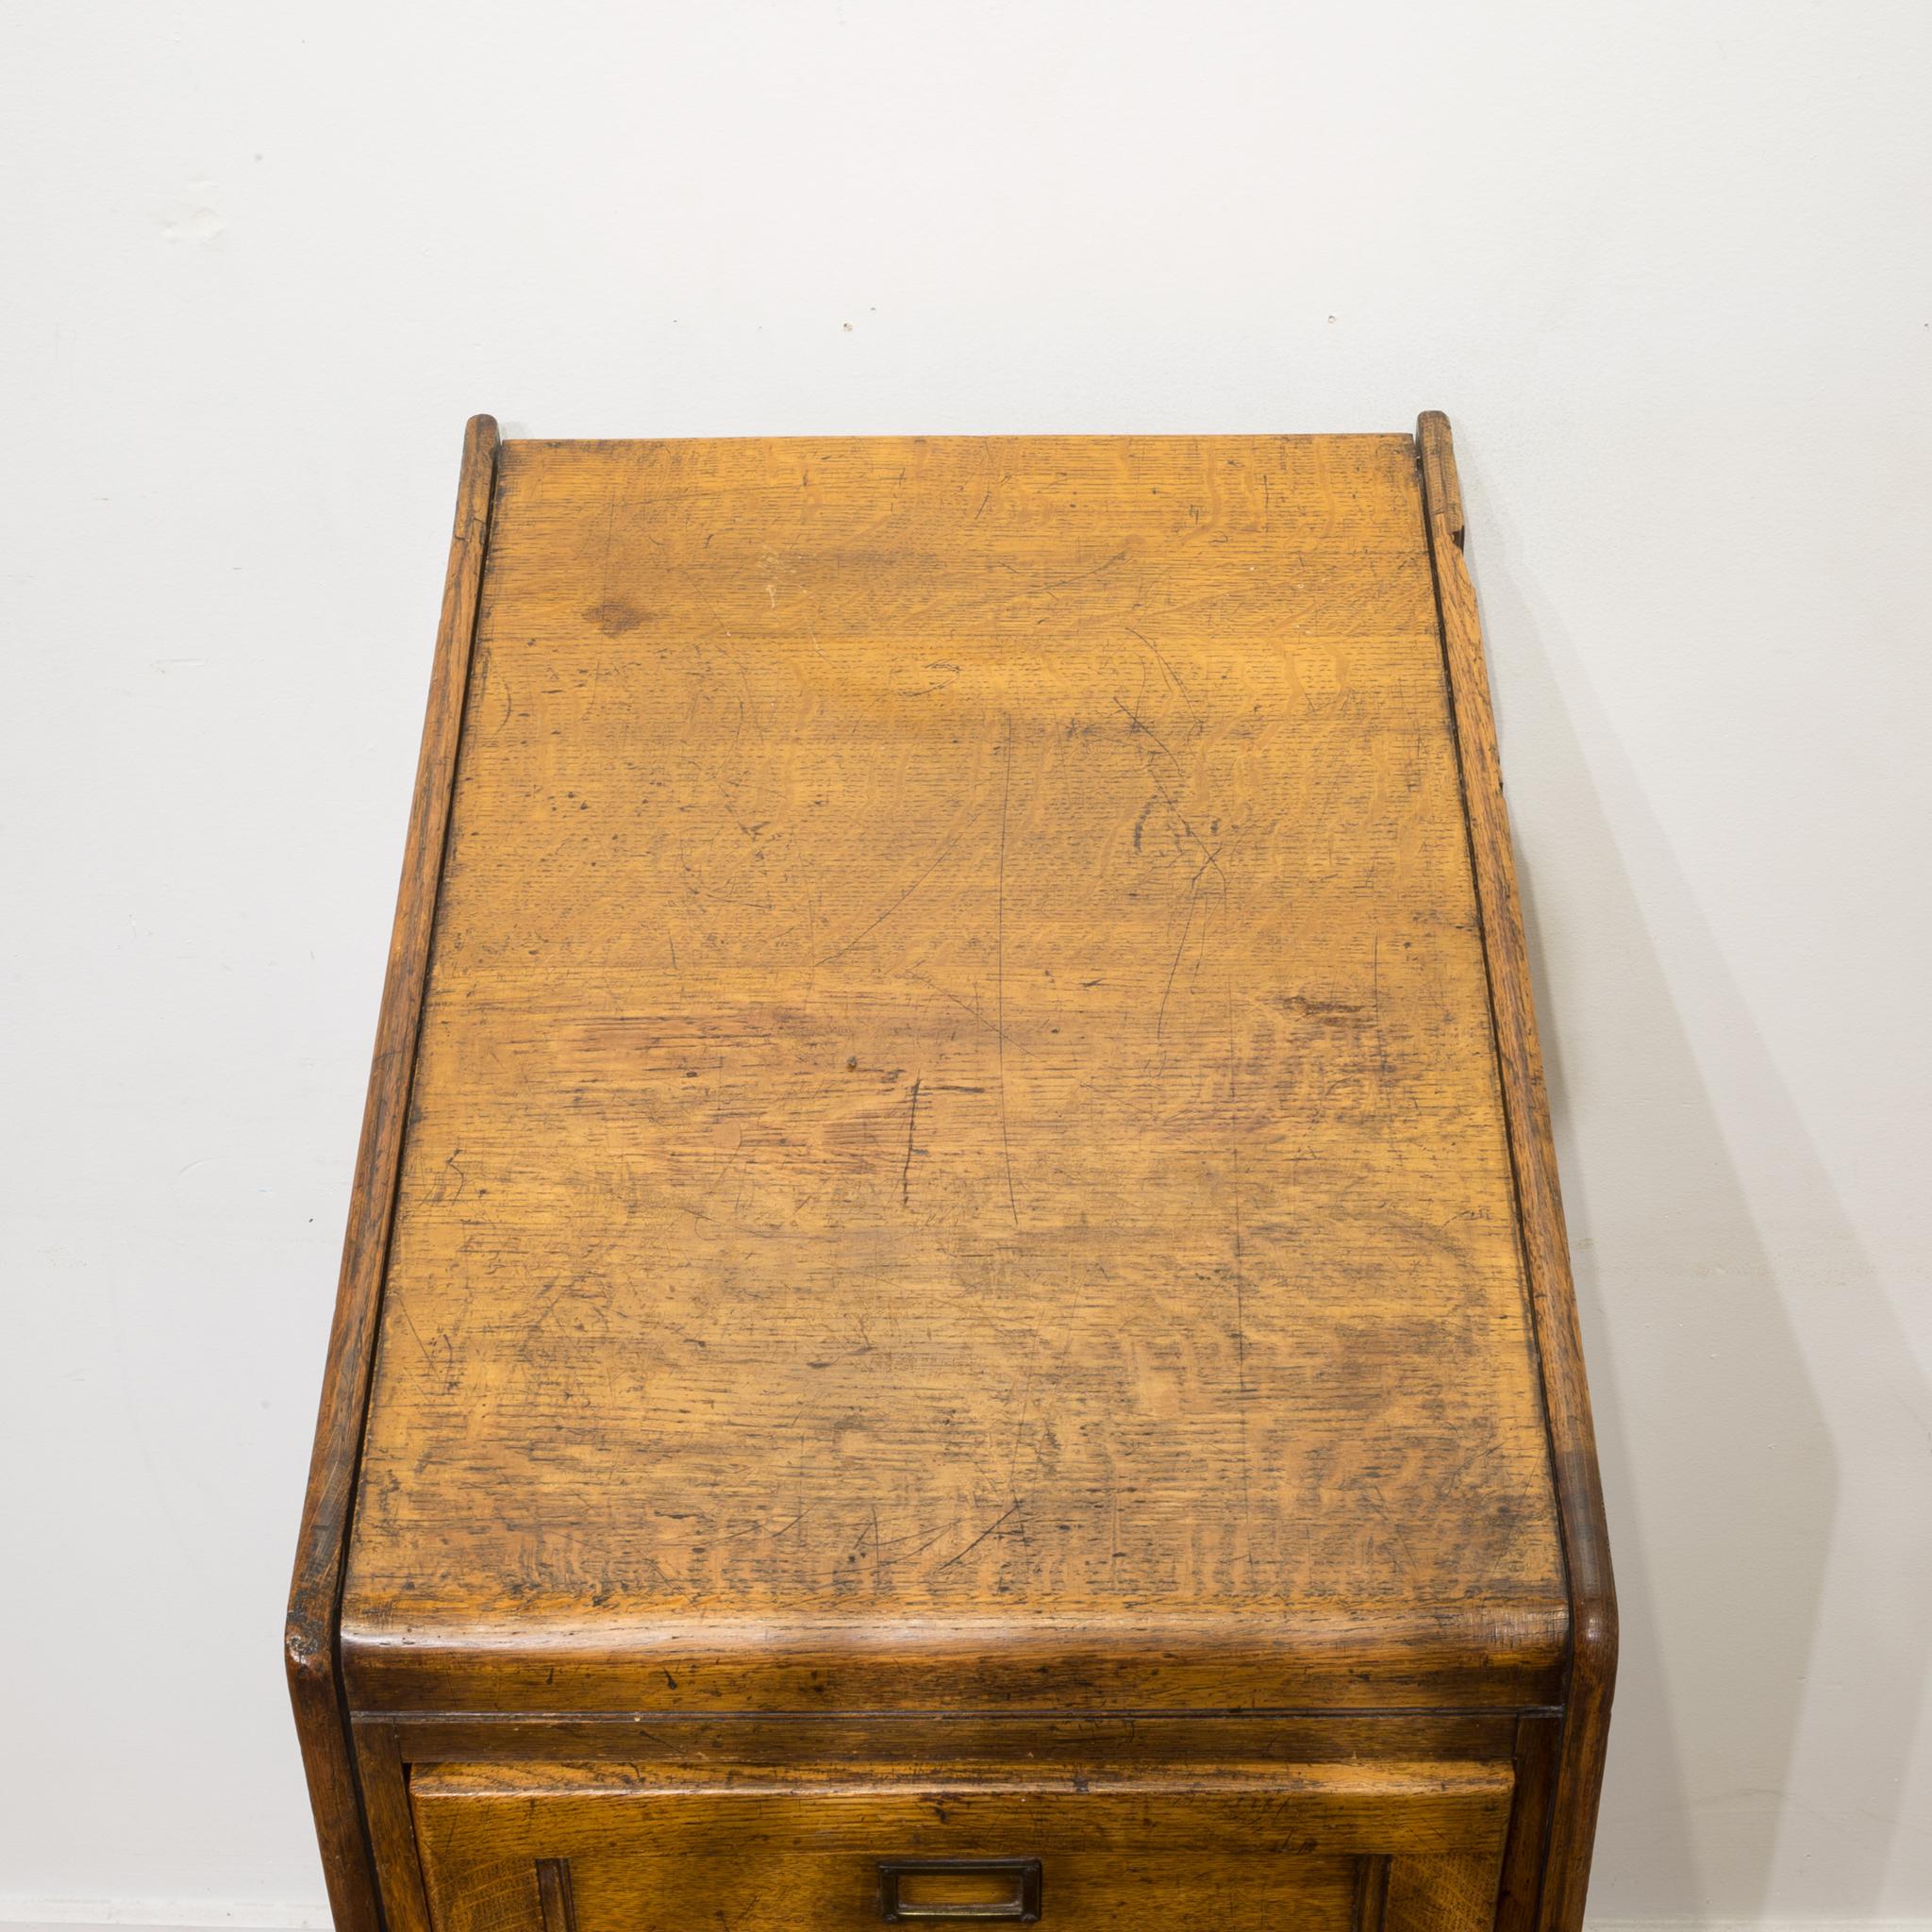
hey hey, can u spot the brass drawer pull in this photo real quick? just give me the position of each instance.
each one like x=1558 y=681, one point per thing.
x=944 y=1889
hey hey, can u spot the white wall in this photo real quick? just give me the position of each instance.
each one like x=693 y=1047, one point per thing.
x=1668 y=266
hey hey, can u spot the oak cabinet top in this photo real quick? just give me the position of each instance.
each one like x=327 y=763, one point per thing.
x=958 y=1151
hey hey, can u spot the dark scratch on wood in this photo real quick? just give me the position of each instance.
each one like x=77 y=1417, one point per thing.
x=402 y=1309
x=1140 y=723
x=959 y=1556
x=1081 y=575
x=938 y=1536
x=911 y=1122
x=837 y=952
x=979 y=1019
x=1187 y=926
x=1209 y=858
x=1172 y=675
x=1180 y=950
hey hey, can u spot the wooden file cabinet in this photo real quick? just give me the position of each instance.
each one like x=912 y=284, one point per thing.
x=955 y=1303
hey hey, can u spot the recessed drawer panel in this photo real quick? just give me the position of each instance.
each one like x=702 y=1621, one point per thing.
x=1319 y=1848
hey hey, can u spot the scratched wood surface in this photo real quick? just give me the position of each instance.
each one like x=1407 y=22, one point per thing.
x=956 y=1115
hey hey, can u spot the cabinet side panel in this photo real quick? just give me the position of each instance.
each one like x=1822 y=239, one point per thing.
x=314 y=1596
x=1546 y=1253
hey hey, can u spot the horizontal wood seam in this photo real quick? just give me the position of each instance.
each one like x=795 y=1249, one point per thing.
x=1393 y=1713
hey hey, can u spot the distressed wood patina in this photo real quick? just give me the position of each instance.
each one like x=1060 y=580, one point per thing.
x=958 y=1157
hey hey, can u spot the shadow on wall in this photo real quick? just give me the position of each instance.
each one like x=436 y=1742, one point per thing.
x=1721 y=1477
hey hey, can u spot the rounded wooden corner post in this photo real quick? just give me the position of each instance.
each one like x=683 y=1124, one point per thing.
x=1546 y=1253
x=315 y=1593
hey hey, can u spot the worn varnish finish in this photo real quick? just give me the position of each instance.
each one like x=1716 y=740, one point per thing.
x=1189 y=1847
x=976 y=1207
x=957 y=1152
x=1593 y=1661
x=314 y=1595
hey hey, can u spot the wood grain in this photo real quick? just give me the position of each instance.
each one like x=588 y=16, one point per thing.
x=1592 y=1667
x=1187 y=1847
x=962 y=1738
x=556 y=1895
x=1539 y=1735
x=957 y=1225
x=957 y=1152
x=384 y=1779
x=1453 y=1892
x=311 y=1633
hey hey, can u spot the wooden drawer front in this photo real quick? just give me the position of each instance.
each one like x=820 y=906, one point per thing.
x=1316 y=1848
